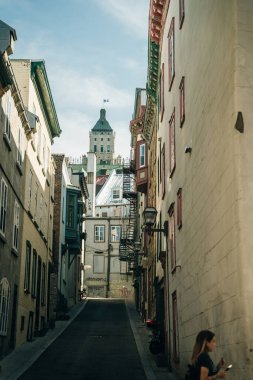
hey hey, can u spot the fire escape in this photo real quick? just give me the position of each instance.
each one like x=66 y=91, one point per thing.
x=127 y=240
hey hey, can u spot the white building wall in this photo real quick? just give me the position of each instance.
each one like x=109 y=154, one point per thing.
x=213 y=51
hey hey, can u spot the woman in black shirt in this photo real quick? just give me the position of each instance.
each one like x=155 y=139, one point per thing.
x=203 y=364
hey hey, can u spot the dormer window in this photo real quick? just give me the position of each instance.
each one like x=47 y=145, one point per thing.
x=116 y=194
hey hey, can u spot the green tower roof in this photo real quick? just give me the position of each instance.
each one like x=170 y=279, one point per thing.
x=102 y=124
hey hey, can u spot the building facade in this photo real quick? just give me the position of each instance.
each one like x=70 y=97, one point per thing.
x=204 y=177
x=36 y=259
x=15 y=132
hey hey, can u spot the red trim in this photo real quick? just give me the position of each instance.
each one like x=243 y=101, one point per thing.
x=163 y=171
x=181 y=13
x=162 y=92
x=172 y=140
x=182 y=102
x=171 y=54
x=179 y=208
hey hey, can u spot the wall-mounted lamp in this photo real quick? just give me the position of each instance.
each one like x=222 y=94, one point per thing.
x=149 y=216
x=187 y=149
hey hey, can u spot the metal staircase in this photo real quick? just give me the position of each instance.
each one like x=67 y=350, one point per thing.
x=127 y=239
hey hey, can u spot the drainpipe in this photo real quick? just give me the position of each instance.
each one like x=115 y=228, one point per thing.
x=108 y=260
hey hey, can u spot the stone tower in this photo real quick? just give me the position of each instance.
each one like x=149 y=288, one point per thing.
x=102 y=140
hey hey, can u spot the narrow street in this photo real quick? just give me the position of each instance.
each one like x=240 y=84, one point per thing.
x=99 y=344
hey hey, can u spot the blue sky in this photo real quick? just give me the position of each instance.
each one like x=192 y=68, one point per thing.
x=93 y=50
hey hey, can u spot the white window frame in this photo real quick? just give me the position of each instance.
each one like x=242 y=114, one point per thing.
x=27 y=267
x=16 y=226
x=115 y=233
x=142 y=155
x=4 y=305
x=99 y=233
x=3 y=205
x=30 y=182
x=7 y=123
x=20 y=146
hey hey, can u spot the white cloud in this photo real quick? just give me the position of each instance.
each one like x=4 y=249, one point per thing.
x=131 y=13
x=74 y=139
x=80 y=91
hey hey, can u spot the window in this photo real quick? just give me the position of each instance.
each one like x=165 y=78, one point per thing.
x=3 y=205
x=39 y=141
x=95 y=148
x=43 y=284
x=182 y=102
x=179 y=208
x=172 y=143
x=142 y=155
x=171 y=44
x=16 y=226
x=27 y=267
x=34 y=272
x=41 y=211
x=98 y=264
x=181 y=13
x=163 y=170
x=44 y=150
x=20 y=146
x=172 y=237
x=116 y=194
x=63 y=210
x=114 y=265
x=175 y=332
x=30 y=182
x=100 y=233
x=162 y=92
x=108 y=139
x=70 y=221
x=36 y=200
x=108 y=148
x=102 y=148
x=115 y=233
x=4 y=305
x=7 y=124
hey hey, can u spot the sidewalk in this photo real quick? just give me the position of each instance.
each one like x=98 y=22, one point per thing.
x=142 y=338
x=16 y=363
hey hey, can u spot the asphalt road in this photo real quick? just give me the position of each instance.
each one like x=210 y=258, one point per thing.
x=98 y=344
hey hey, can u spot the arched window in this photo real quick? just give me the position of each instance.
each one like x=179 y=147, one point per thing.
x=4 y=305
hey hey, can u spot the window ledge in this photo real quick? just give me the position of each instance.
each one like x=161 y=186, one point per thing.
x=33 y=146
x=7 y=141
x=3 y=238
x=38 y=159
x=14 y=252
x=19 y=167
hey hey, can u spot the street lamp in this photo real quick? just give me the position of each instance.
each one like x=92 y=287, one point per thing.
x=149 y=216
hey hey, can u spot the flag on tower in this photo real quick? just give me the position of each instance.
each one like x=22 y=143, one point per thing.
x=106 y=100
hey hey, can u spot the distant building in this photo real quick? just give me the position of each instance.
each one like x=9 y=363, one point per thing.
x=105 y=274
x=102 y=140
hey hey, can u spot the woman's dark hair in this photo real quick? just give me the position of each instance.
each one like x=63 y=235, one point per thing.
x=202 y=338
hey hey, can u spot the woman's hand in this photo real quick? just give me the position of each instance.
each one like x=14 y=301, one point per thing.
x=221 y=374
x=221 y=363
